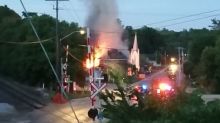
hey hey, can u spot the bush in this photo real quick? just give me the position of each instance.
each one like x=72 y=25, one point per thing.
x=181 y=108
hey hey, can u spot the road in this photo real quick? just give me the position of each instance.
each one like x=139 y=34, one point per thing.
x=62 y=113
x=149 y=79
x=54 y=113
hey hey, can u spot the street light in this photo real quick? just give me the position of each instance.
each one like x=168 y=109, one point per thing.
x=172 y=59
x=82 y=32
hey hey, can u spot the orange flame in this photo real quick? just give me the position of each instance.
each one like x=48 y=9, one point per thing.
x=98 y=51
x=92 y=63
x=95 y=59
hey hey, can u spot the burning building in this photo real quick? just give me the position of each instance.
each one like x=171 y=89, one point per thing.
x=105 y=33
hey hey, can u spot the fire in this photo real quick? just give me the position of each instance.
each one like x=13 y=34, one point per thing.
x=100 y=48
x=95 y=59
x=92 y=63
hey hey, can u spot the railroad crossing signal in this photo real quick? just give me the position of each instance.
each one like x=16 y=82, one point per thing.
x=97 y=89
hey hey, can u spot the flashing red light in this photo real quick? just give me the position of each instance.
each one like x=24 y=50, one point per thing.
x=137 y=89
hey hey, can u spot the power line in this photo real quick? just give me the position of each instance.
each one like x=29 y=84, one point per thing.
x=103 y=31
x=183 y=17
x=74 y=10
x=188 y=21
x=169 y=20
x=74 y=57
x=28 y=43
x=109 y=48
x=163 y=21
x=71 y=14
x=48 y=59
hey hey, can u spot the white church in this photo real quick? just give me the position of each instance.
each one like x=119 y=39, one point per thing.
x=134 y=57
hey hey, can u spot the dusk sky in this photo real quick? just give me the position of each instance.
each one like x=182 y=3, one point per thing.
x=133 y=12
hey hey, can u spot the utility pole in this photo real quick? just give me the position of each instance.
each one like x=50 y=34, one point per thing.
x=182 y=56
x=165 y=57
x=58 y=46
x=180 y=52
x=179 y=72
x=58 y=64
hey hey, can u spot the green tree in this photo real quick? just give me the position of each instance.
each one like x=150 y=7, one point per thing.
x=181 y=108
x=128 y=35
x=215 y=24
x=209 y=68
x=18 y=55
x=187 y=68
x=197 y=46
x=149 y=40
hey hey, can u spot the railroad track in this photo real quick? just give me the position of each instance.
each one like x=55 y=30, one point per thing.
x=21 y=94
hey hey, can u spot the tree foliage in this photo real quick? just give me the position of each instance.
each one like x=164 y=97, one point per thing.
x=215 y=24
x=203 y=61
x=181 y=108
x=31 y=66
x=25 y=61
x=149 y=39
x=209 y=68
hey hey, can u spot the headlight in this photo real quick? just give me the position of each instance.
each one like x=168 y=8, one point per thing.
x=164 y=86
x=144 y=87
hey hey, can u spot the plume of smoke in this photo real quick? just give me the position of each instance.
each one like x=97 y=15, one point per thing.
x=106 y=29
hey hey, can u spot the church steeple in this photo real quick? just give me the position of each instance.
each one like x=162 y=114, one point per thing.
x=134 y=55
x=135 y=45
